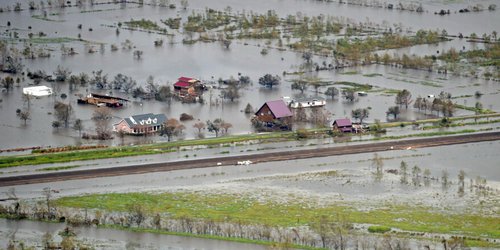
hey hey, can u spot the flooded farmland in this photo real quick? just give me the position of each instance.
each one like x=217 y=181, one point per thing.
x=374 y=49
x=211 y=61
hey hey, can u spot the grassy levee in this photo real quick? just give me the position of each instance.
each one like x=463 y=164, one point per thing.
x=124 y=151
x=245 y=209
x=437 y=120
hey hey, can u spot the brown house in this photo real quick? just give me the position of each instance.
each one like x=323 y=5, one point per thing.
x=273 y=111
x=342 y=125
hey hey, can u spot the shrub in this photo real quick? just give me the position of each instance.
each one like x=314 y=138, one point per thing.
x=186 y=117
x=378 y=229
x=302 y=134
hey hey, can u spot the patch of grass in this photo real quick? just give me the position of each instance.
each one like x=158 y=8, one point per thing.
x=46 y=40
x=378 y=229
x=355 y=86
x=247 y=209
x=350 y=73
x=58 y=168
x=372 y=75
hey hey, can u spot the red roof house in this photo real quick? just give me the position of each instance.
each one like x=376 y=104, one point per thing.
x=343 y=125
x=185 y=83
x=273 y=110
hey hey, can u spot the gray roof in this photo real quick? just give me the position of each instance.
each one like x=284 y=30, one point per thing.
x=148 y=119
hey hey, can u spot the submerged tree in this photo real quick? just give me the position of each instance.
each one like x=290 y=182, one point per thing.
x=269 y=80
x=394 y=111
x=61 y=73
x=378 y=163
x=63 y=112
x=332 y=92
x=78 y=125
x=360 y=114
x=403 y=98
x=24 y=115
x=172 y=127
x=349 y=94
x=300 y=85
x=215 y=126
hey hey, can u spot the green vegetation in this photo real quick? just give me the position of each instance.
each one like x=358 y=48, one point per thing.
x=250 y=210
x=46 y=40
x=124 y=151
x=378 y=229
x=372 y=75
x=350 y=73
x=58 y=168
x=355 y=86
x=144 y=24
x=481 y=111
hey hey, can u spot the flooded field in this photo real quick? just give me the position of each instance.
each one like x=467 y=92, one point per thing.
x=96 y=26
x=322 y=43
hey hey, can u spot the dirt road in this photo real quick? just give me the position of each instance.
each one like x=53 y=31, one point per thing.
x=255 y=158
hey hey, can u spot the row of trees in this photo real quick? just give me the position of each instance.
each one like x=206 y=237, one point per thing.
x=441 y=104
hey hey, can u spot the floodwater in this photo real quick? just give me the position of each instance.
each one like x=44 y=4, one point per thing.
x=32 y=232
x=209 y=61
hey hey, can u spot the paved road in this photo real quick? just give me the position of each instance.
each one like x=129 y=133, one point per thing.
x=255 y=158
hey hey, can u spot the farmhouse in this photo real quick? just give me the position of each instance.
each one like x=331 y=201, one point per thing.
x=37 y=91
x=342 y=125
x=141 y=124
x=273 y=111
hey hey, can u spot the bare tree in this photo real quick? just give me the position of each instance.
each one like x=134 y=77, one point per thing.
x=225 y=126
x=78 y=125
x=172 y=127
x=199 y=125
x=378 y=163
x=47 y=193
x=403 y=98
x=102 y=119
x=24 y=115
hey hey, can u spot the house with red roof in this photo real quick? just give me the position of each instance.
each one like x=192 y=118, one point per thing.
x=188 y=88
x=272 y=112
x=342 y=125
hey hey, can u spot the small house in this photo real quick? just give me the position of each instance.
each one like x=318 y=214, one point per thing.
x=272 y=111
x=141 y=124
x=37 y=91
x=188 y=89
x=342 y=125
